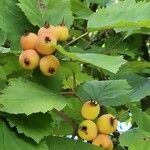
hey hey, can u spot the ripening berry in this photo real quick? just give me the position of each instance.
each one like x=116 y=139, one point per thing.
x=90 y=110
x=63 y=32
x=46 y=44
x=49 y=65
x=87 y=130
x=104 y=141
x=28 y=41
x=29 y=59
x=48 y=29
x=107 y=124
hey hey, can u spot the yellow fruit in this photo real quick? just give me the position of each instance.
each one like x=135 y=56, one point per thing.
x=29 y=59
x=49 y=65
x=104 y=141
x=46 y=44
x=63 y=33
x=90 y=110
x=28 y=41
x=107 y=124
x=87 y=130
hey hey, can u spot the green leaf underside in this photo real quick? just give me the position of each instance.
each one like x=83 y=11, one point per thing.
x=135 y=139
x=108 y=93
x=58 y=143
x=125 y=14
x=111 y=63
x=27 y=97
x=35 y=126
x=9 y=140
x=141 y=88
x=141 y=118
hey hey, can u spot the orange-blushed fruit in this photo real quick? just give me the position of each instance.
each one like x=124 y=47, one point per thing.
x=87 y=130
x=104 y=141
x=28 y=41
x=63 y=32
x=49 y=65
x=48 y=29
x=46 y=44
x=107 y=124
x=29 y=59
x=90 y=110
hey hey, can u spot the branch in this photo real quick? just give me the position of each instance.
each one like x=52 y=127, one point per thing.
x=68 y=120
x=76 y=39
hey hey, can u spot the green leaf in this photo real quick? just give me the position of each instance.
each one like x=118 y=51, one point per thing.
x=35 y=126
x=111 y=63
x=13 y=22
x=27 y=97
x=135 y=139
x=73 y=109
x=3 y=37
x=11 y=66
x=58 y=143
x=121 y=16
x=100 y=2
x=59 y=126
x=108 y=93
x=9 y=140
x=134 y=67
x=141 y=118
x=52 y=11
x=54 y=83
x=141 y=88
x=80 y=9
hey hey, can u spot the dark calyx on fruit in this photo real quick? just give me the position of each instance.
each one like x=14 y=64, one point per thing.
x=47 y=39
x=46 y=25
x=93 y=103
x=26 y=61
x=51 y=70
x=84 y=129
x=112 y=121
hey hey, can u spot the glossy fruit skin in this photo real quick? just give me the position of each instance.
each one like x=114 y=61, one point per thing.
x=29 y=59
x=103 y=140
x=28 y=41
x=48 y=30
x=87 y=130
x=63 y=33
x=49 y=65
x=107 y=124
x=90 y=110
x=46 y=44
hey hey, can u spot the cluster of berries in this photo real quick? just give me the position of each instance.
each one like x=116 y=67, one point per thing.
x=98 y=133
x=38 y=48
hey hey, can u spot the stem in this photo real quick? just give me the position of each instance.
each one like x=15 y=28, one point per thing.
x=118 y=116
x=74 y=80
x=76 y=39
x=67 y=93
x=68 y=120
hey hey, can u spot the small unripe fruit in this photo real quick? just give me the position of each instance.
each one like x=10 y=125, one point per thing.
x=46 y=44
x=104 y=141
x=63 y=33
x=107 y=124
x=48 y=29
x=28 y=41
x=87 y=130
x=90 y=110
x=49 y=65
x=29 y=59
